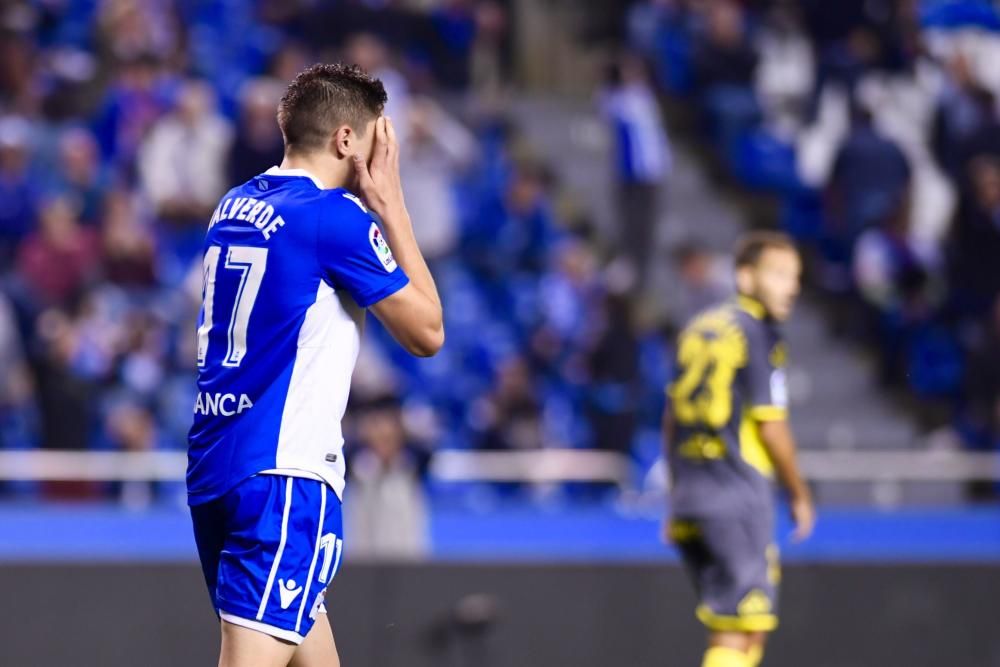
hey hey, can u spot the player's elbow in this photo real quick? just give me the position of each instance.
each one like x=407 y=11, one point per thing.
x=427 y=342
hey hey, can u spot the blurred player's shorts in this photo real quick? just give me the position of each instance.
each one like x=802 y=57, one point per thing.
x=735 y=569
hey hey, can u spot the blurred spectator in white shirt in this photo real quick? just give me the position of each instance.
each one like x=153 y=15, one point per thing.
x=371 y=54
x=387 y=517
x=438 y=147
x=785 y=75
x=642 y=157
x=183 y=161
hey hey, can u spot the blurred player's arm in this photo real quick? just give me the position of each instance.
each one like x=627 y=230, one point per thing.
x=768 y=398
x=780 y=444
x=412 y=315
x=668 y=422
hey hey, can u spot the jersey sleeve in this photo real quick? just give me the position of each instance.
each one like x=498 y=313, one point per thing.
x=354 y=253
x=766 y=384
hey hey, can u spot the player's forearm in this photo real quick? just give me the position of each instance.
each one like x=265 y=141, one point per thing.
x=399 y=231
x=780 y=443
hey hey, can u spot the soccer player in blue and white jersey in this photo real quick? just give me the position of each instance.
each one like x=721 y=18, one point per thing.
x=292 y=261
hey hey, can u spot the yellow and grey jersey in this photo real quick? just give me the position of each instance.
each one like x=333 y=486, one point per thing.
x=730 y=377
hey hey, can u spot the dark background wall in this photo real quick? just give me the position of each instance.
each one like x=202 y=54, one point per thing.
x=545 y=615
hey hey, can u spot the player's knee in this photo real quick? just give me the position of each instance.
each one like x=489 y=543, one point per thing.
x=739 y=641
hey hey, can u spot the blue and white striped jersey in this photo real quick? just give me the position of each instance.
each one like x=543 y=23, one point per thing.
x=289 y=269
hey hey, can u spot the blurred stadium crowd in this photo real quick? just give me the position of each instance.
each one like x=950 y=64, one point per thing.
x=122 y=123
x=875 y=125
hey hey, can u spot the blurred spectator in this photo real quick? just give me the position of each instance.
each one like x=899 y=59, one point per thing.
x=897 y=276
x=132 y=428
x=127 y=29
x=183 y=160
x=17 y=190
x=454 y=22
x=724 y=66
x=16 y=386
x=613 y=374
x=869 y=183
x=488 y=60
x=290 y=59
x=371 y=54
x=982 y=384
x=438 y=148
x=726 y=57
x=982 y=139
x=703 y=278
x=510 y=417
x=514 y=231
x=141 y=356
x=964 y=109
x=785 y=74
x=129 y=248
x=80 y=173
x=568 y=295
x=66 y=395
x=257 y=145
x=387 y=515
x=131 y=104
x=56 y=261
x=643 y=158
x=975 y=240
x=18 y=73
x=894 y=272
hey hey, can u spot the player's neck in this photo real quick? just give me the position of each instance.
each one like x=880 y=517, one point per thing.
x=330 y=171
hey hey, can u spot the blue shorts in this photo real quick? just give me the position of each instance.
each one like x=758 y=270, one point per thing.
x=269 y=548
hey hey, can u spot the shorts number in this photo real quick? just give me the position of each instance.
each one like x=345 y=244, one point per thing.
x=251 y=263
x=331 y=547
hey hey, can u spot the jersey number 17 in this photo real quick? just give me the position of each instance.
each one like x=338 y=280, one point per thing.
x=251 y=263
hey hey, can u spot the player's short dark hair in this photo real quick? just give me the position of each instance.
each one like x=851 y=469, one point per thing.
x=751 y=246
x=323 y=97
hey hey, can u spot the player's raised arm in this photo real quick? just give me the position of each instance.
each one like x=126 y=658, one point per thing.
x=412 y=315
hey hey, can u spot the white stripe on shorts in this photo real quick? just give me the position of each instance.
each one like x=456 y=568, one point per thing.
x=281 y=549
x=312 y=566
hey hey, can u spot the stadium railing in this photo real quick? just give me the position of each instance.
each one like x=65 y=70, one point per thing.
x=537 y=466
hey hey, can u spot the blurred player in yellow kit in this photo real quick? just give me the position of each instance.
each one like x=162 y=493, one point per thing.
x=727 y=437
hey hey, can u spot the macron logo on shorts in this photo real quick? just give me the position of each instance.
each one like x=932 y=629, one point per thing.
x=288 y=591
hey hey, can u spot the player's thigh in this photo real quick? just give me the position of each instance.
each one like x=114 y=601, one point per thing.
x=210 y=537
x=243 y=647
x=686 y=536
x=319 y=648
